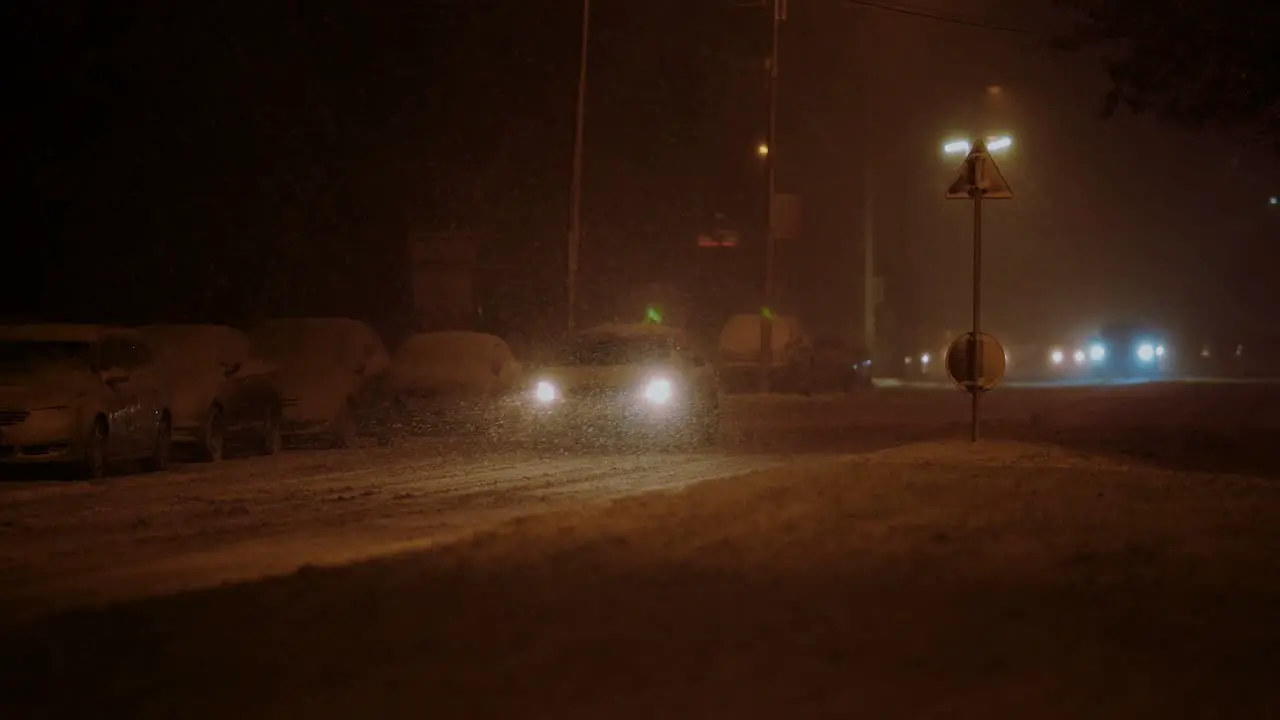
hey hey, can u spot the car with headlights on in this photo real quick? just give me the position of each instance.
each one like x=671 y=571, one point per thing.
x=1127 y=352
x=624 y=382
x=81 y=395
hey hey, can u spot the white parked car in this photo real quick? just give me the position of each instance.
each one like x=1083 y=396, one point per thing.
x=453 y=364
x=449 y=380
x=328 y=371
x=81 y=394
x=222 y=392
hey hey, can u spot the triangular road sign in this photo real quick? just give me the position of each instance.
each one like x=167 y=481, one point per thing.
x=979 y=177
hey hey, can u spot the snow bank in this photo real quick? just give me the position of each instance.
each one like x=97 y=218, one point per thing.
x=992 y=453
x=453 y=363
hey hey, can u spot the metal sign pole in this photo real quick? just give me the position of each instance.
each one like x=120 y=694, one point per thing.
x=777 y=10
x=978 y=179
x=976 y=391
x=575 y=190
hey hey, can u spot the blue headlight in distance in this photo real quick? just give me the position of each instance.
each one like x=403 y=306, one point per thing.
x=1146 y=352
x=1097 y=352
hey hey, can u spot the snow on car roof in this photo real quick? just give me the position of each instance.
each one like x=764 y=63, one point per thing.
x=633 y=330
x=186 y=329
x=316 y=323
x=63 y=332
x=448 y=345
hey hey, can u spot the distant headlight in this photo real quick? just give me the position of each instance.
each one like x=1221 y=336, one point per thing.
x=659 y=392
x=1146 y=352
x=1056 y=357
x=545 y=392
x=1159 y=351
x=1079 y=357
x=1097 y=352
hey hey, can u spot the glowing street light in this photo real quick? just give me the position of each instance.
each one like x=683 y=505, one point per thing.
x=762 y=150
x=996 y=143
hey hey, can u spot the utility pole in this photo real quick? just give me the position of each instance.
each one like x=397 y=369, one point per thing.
x=778 y=10
x=869 y=285
x=575 y=191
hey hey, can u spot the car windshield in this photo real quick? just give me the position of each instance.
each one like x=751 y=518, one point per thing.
x=20 y=356
x=615 y=350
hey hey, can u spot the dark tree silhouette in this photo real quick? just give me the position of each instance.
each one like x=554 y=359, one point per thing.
x=1199 y=62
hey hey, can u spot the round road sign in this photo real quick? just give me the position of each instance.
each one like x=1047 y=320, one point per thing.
x=975 y=365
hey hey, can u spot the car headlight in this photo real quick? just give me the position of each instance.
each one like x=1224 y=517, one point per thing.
x=1097 y=352
x=659 y=391
x=1056 y=357
x=1079 y=357
x=1159 y=351
x=1146 y=352
x=545 y=392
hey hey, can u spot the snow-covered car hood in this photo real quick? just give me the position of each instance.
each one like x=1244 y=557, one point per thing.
x=52 y=386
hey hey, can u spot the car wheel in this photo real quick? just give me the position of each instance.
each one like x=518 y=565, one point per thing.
x=159 y=458
x=272 y=439
x=94 y=464
x=213 y=438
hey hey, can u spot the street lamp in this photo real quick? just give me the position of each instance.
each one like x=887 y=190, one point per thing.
x=996 y=143
x=762 y=150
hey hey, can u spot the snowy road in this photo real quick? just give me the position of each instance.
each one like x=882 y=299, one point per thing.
x=70 y=543
x=1013 y=578
x=203 y=525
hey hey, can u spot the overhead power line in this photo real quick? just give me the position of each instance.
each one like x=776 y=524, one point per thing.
x=937 y=17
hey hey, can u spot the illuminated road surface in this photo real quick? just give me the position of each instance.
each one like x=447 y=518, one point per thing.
x=1100 y=535
x=202 y=525
x=73 y=542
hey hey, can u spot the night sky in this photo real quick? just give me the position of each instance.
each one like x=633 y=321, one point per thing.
x=228 y=161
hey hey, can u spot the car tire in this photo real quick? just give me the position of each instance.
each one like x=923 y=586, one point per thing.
x=213 y=437
x=94 y=464
x=159 y=458
x=272 y=438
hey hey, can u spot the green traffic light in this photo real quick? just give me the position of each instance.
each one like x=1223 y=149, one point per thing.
x=653 y=315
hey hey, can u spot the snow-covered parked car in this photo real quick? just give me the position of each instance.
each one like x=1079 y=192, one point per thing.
x=445 y=380
x=739 y=353
x=328 y=370
x=222 y=392
x=82 y=395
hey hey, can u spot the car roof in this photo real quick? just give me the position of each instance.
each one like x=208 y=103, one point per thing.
x=632 y=331
x=64 y=332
